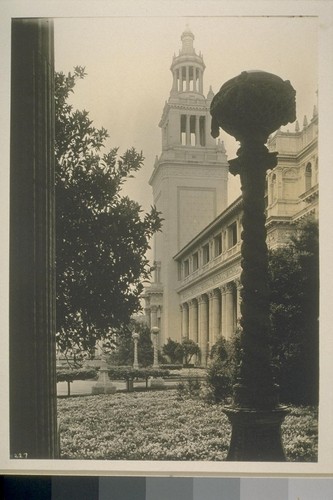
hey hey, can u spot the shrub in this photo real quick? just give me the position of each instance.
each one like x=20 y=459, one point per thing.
x=69 y=375
x=173 y=351
x=190 y=388
x=129 y=374
x=169 y=366
x=221 y=373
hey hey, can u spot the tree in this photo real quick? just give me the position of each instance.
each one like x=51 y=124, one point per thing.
x=294 y=285
x=188 y=348
x=172 y=349
x=123 y=352
x=101 y=236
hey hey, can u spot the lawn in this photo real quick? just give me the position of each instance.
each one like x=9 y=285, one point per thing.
x=158 y=425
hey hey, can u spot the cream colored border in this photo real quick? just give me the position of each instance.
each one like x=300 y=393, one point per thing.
x=323 y=9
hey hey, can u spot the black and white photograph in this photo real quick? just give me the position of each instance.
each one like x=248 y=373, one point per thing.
x=168 y=242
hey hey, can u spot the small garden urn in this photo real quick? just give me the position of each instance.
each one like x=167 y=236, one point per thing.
x=250 y=107
x=135 y=337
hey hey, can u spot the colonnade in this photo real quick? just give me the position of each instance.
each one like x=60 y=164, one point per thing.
x=210 y=315
x=193 y=130
x=188 y=78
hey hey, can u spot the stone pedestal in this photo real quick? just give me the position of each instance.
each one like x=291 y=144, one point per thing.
x=103 y=384
x=256 y=434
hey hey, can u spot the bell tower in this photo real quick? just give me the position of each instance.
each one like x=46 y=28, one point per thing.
x=189 y=180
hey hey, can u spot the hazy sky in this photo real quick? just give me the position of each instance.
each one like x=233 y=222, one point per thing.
x=128 y=65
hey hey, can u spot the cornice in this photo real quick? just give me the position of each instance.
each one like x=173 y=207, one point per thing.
x=224 y=216
x=278 y=220
x=310 y=195
x=218 y=277
x=181 y=169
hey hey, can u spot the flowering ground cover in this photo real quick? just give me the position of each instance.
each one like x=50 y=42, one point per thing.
x=161 y=426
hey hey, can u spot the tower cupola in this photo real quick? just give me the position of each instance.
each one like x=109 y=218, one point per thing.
x=187 y=68
x=187 y=42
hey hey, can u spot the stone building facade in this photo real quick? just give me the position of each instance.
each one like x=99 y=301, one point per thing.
x=196 y=289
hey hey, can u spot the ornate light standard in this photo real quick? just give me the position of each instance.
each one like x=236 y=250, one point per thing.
x=155 y=331
x=135 y=337
x=156 y=382
x=250 y=107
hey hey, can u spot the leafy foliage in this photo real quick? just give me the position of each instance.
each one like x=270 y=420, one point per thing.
x=294 y=285
x=190 y=388
x=64 y=375
x=69 y=375
x=221 y=373
x=101 y=236
x=157 y=425
x=172 y=349
x=189 y=348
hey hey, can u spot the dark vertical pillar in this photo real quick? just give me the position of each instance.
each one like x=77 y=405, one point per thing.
x=250 y=107
x=33 y=423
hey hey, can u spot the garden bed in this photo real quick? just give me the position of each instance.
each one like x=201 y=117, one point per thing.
x=161 y=426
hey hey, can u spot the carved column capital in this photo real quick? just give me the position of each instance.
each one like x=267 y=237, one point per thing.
x=202 y=299
x=238 y=284
x=192 y=303
x=229 y=287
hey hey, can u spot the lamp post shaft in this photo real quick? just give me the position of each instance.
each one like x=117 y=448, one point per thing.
x=250 y=107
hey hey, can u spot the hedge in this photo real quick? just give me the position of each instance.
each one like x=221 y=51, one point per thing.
x=68 y=375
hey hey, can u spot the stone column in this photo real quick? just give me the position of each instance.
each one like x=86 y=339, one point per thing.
x=185 y=331
x=197 y=130
x=251 y=107
x=193 y=329
x=200 y=82
x=203 y=308
x=194 y=79
x=174 y=85
x=32 y=349
x=153 y=316
x=181 y=307
x=188 y=134
x=238 y=299
x=210 y=320
x=148 y=316
x=187 y=78
x=216 y=319
x=229 y=310
x=223 y=311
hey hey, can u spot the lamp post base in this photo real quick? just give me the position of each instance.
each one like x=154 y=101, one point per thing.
x=256 y=434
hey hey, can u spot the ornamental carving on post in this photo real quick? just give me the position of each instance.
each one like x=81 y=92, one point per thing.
x=135 y=337
x=250 y=107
